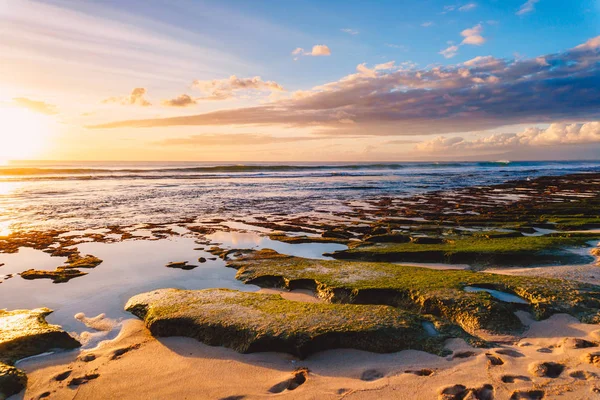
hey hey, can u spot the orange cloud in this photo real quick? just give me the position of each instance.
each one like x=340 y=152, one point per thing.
x=135 y=98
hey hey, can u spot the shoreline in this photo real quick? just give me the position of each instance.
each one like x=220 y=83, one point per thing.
x=334 y=374
x=373 y=233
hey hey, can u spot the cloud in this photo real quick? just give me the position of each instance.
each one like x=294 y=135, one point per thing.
x=222 y=89
x=135 y=98
x=555 y=135
x=467 y=7
x=449 y=52
x=235 y=139
x=183 y=100
x=427 y=24
x=527 y=7
x=473 y=35
x=36 y=106
x=486 y=93
x=317 y=50
x=350 y=31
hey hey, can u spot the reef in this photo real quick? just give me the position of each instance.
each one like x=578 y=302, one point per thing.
x=253 y=322
x=439 y=293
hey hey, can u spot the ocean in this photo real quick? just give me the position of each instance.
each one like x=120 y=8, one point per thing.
x=80 y=195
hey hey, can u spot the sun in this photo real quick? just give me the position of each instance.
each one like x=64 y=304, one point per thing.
x=23 y=133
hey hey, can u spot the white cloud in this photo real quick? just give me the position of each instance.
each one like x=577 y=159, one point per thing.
x=555 y=134
x=473 y=35
x=350 y=31
x=427 y=24
x=467 y=7
x=449 y=52
x=317 y=50
x=527 y=7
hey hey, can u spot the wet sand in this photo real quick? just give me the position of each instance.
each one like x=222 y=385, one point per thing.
x=186 y=369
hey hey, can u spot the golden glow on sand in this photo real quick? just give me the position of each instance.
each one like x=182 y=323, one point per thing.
x=23 y=133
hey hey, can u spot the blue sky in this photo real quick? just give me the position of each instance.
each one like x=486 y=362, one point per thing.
x=99 y=65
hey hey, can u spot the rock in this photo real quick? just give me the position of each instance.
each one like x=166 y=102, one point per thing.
x=181 y=265
x=202 y=260
x=253 y=322
x=426 y=240
x=337 y=234
x=12 y=380
x=25 y=333
x=391 y=238
x=78 y=261
x=59 y=275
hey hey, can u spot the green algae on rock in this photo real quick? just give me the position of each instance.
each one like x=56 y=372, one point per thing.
x=25 y=333
x=87 y=261
x=253 y=322
x=59 y=275
x=428 y=291
x=12 y=380
x=476 y=250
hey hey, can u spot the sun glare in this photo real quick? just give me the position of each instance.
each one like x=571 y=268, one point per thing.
x=23 y=133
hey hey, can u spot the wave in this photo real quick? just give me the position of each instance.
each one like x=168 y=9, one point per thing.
x=197 y=169
x=108 y=171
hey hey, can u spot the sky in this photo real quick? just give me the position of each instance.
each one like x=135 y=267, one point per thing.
x=300 y=80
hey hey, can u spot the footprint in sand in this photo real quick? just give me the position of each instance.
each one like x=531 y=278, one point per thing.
x=514 y=378
x=83 y=379
x=460 y=392
x=241 y=397
x=463 y=354
x=119 y=352
x=87 y=357
x=583 y=375
x=299 y=376
x=575 y=343
x=62 y=376
x=421 y=372
x=510 y=353
x=527 y=395
x=371 y=375
x=546 y=369
x=494 y=360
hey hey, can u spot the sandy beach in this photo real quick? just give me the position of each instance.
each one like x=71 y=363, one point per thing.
x=184 y=368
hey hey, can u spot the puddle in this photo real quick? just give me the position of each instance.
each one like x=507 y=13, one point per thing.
x=430 y=328
x=249 y=240
x=502 y=296
x=129 y=268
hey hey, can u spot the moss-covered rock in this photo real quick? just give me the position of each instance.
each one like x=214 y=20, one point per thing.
x=476 y=250
x=59 y=275
x=428 y=291
x=79 y=261
x=12 y=380
x=251 y=322
x=24 y=333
